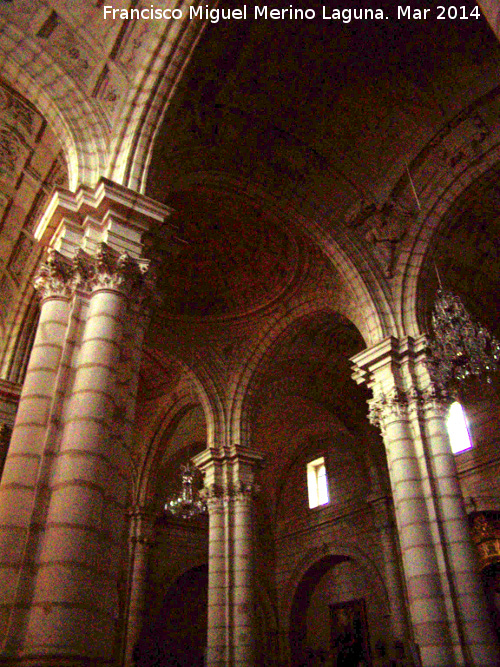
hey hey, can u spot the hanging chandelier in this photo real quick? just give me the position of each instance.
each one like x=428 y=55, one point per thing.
x=460 y=348
x=188 y=504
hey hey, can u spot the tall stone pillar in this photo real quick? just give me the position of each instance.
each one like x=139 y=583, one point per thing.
x=382 y=508
x=230 y=488
x=217 y=616
x=140 y=543
x=469 y=604
x=444 y=593
x=65 y=604
x=22 y=476
x=81 y=549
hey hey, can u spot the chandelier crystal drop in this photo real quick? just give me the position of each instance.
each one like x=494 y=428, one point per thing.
x=188 y=504
x=460 y=348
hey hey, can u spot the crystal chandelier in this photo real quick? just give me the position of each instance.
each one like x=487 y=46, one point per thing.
x=189 y=503
x=460 y=349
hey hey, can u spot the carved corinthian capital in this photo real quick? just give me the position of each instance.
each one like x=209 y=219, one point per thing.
x=55 y=277
x=117 y=272
x=436 y=399
x=397 y=403
x=244 y=491
x=390 y=405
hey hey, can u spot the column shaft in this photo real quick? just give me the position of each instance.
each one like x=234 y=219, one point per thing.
x=21 y=476
x=478 y=644
x=425 y=596
x=217 y=589
x=74 y=605
x=243 y=628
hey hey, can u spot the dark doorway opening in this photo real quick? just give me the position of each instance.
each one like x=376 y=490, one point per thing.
x=178 y=635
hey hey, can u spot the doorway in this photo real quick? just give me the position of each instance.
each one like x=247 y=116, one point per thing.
x=177 y=636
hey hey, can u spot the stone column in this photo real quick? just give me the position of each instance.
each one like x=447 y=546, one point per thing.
x=76 y=577
x=217 y=586
x=22 y=473
x=382 y=507
x=476 y=635
x=229 y=487
x=427 y=604
x=443 y=589
x=79 y=411
x=140 y=543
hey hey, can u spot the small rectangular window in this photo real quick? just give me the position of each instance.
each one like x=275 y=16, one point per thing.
x=317 y=483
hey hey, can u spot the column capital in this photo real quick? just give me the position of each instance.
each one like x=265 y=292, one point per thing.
x=397 y=372
x=108 y=213
x=113 y=271
x=396 y=402
x=229 y=472
x=383 y=406
x=55 y=278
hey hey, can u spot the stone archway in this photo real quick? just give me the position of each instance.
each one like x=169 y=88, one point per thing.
x=298 y=618
x=333 y=585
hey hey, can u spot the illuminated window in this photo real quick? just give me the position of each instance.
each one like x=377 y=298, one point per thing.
x=458 y=429
x=317 y=483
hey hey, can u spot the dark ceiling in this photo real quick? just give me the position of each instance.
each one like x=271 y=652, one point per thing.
x=321 y=116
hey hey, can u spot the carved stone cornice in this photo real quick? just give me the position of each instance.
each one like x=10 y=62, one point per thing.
x=55 y=277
